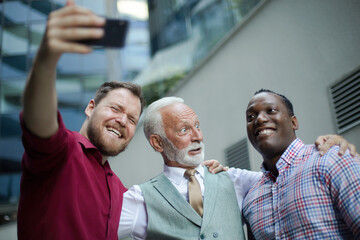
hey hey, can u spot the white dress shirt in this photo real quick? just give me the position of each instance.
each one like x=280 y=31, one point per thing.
x=133 y=219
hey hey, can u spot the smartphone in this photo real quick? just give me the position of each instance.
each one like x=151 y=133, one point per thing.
x=115 y=31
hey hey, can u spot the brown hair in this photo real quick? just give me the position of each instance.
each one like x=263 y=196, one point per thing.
x=107 y=87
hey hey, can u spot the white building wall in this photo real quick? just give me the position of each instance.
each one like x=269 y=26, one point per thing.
x=297 y=48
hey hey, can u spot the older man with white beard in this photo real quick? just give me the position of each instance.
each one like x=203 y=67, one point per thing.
x=159 y=208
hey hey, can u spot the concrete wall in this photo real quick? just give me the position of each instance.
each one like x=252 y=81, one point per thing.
x=8 y=232
x=297 y=48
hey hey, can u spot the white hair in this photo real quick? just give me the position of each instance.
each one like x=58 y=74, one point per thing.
x=153 y=123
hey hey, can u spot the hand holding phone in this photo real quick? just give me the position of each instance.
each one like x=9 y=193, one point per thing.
x=115 y=31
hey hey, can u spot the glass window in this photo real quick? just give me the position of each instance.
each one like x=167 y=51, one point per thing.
x=16 y=11
x=39 y=10
x=10 y=190
x=36 y=34
x=13 y=66
x=14 y=40
x=10 y=95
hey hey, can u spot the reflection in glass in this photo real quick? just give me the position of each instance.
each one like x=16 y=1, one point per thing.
x=15 y=11
x=10 y=95
x=39 y=11
x=182 y=34
x=14 y=40
x=36 y=33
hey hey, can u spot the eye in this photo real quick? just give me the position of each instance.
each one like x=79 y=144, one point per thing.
x=115 y=109
x=183 y=130
x=132 y=121
x=272 y=110
x=197 y=125
x=250 y=117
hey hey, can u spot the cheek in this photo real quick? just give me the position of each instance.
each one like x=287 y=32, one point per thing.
x=182 y=143
x=131 y=130
x=249 y=129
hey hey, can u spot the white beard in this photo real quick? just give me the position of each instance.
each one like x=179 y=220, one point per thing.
x=181 y=156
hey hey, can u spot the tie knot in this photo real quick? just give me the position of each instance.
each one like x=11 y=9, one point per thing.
x=190 y=172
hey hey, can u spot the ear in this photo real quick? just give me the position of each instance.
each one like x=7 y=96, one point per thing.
x=89 y=108
x=295 y=123
x=156 y=142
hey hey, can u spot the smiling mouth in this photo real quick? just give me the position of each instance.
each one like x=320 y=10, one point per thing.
x=264 y=132
x=114 y=131
x=195 y=151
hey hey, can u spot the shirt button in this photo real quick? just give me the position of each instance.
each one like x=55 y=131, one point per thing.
x=215 y=234
x=202 y=236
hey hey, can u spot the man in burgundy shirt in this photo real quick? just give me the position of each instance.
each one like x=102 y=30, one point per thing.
x=68 y=190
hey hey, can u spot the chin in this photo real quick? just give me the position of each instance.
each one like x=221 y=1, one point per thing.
x=112 y=152
x=192 y=160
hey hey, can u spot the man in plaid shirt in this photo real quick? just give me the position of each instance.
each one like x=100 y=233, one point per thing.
x=301 y=194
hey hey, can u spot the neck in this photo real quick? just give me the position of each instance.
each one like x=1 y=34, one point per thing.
x=104 y=159
x=176 y=164
x=83 y=131
x=270 y=165
x=271 y=157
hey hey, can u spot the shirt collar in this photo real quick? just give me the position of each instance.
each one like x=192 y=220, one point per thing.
x=86 y=144
x=290 y=153
x=83 y=141
x=288 y=156
x=176 y=174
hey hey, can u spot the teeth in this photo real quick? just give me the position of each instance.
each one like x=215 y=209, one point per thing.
x=114 y=131
x=265 y=131
x=197 y=149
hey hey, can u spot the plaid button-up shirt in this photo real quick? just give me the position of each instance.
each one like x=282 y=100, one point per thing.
x=312 y=198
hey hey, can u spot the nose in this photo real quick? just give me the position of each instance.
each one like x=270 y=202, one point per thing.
x=197 y=135
x=261 y=118
x=121 y=119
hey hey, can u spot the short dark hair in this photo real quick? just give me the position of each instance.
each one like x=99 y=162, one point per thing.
x=107 y=87
x=284 y=99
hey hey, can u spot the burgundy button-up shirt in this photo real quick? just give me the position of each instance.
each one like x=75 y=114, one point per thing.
x=66 y=193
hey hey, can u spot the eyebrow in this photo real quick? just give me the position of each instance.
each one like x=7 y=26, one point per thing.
x=267 y=104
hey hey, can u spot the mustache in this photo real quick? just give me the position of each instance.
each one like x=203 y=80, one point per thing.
x=195 y=146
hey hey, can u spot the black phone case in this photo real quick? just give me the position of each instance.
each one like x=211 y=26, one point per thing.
x=115 y=34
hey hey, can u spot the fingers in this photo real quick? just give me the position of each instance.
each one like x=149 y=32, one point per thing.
x=70 y=2
x=214 y=166
x=70 y=24
x=211 y=164
x=75 y=18
x=323 y=148
x=352 y=149
x=343 y=146
x=61 y=46
x=219 y=168
x=320 y=141
x=324 y=143
x=73 y=34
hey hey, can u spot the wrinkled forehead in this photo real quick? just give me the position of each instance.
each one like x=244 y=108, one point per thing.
x=176 y=113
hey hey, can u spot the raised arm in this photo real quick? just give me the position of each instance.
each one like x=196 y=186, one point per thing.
x=64 y=26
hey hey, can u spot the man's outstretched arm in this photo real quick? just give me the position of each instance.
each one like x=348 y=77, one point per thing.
x=64 y=26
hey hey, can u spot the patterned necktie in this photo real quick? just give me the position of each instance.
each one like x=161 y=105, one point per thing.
x=195 y=196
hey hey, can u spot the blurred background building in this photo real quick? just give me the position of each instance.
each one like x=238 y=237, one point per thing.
x=213 y=53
